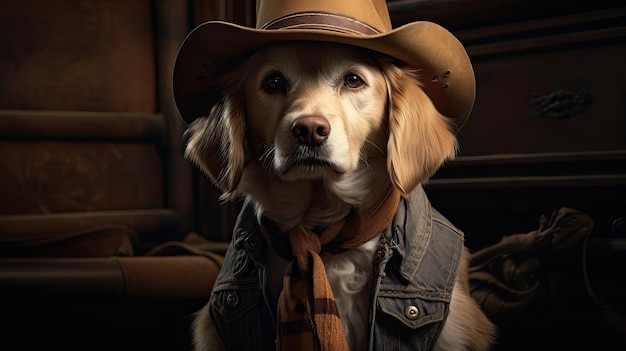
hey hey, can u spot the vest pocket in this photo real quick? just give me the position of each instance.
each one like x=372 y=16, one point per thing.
x=413 y=312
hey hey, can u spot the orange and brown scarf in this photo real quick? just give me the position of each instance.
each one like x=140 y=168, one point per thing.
x=307 y=314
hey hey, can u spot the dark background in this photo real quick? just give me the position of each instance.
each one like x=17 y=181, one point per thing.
x=89 y=136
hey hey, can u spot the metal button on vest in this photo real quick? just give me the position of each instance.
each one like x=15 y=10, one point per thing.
x=411 y=312
x=232 y=299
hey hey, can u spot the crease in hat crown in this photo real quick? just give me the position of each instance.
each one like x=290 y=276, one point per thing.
x=216 y=46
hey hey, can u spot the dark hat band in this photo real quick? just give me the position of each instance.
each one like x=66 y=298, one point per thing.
x=324 y=21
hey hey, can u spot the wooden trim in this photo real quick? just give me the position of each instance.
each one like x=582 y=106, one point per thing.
x=205 y=10
x=573 y=169
x=507 y=159
x=242 y=12
x=541 y=26
x=211 y=218
x=460 y=14
x=544 y=33
x=171 y=277
x=549 y=41
x=146 y=221
x=494 y=29
x=528 y=182
x=113 y=126
x=172 y=17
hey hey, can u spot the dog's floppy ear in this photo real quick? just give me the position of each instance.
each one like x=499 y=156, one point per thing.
x=421 y=139
x=216 y=143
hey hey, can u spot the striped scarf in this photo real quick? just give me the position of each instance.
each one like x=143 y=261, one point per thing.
x=307 y=314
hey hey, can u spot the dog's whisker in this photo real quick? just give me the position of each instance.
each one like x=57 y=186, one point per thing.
x=369 y=142
x=268 y=155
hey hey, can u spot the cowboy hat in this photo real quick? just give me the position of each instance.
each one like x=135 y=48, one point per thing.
x=215 y=46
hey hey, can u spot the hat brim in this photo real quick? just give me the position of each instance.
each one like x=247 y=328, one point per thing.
x=215 y=47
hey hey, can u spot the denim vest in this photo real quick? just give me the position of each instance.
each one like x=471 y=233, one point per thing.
x=415 y=267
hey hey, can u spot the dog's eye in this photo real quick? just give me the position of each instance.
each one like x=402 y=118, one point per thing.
x=274 y=82
x=353 y=81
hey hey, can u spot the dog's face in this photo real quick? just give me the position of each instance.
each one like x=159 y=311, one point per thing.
x=308 y=128
x=312 y=112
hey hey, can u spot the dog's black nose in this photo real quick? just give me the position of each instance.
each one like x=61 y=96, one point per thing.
x=311 y=130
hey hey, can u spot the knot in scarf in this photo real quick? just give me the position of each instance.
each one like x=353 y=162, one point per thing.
x=307 y=313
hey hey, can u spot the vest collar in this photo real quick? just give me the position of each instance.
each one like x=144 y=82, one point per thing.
x=425 y=241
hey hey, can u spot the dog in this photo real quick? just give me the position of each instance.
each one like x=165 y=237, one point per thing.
x=309 y=132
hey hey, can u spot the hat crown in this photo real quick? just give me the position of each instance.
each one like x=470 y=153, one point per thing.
x=347 y=16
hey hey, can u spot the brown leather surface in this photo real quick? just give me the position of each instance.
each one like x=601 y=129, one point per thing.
x=142 y=277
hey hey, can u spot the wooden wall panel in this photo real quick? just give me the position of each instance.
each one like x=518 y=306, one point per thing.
x=58 y=176
x=95 y=55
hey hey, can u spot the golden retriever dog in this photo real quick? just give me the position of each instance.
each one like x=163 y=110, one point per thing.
x=310 y=132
